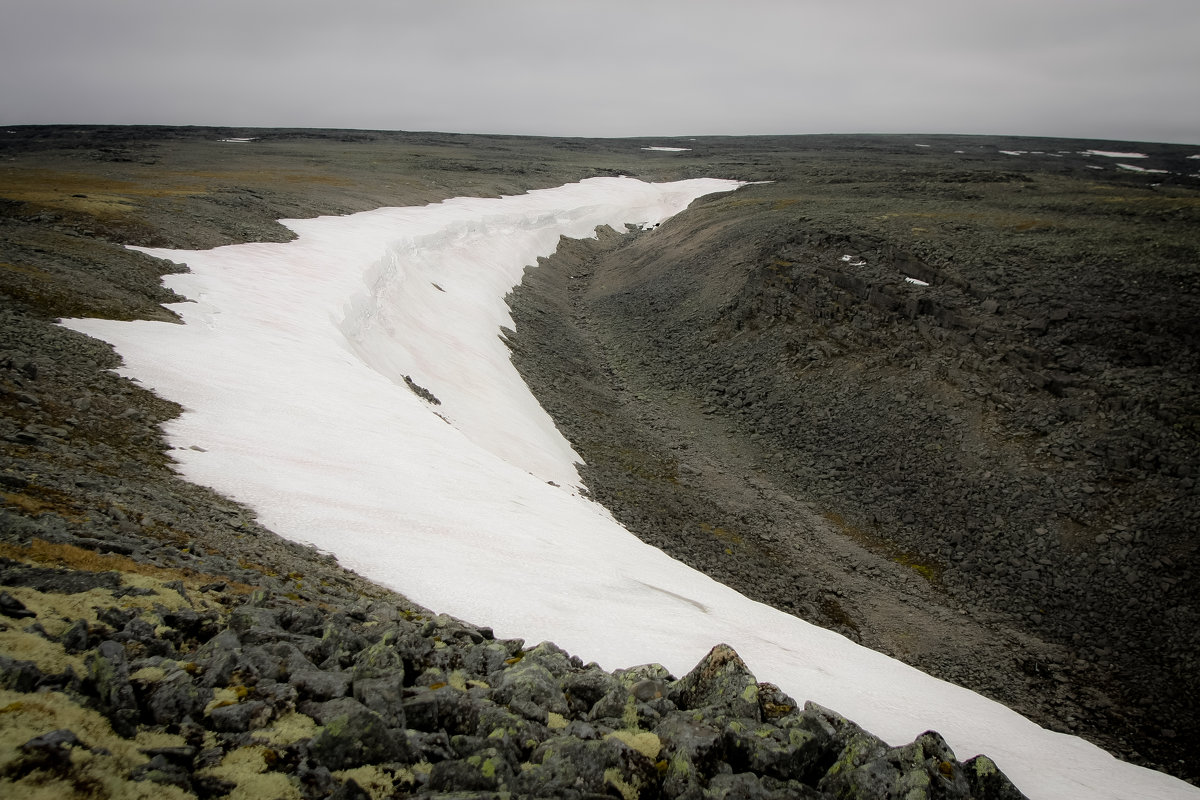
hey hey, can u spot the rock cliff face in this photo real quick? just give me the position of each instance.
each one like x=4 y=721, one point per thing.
x=895 y=461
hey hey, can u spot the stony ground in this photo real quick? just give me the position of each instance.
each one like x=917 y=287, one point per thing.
x=991 y=477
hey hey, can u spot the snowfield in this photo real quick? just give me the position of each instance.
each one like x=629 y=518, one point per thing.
x=292 y=366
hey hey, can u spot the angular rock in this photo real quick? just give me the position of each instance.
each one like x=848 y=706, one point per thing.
x=499 y=724
x=14 y=608
x=108 y=672
x=485 y=659
x=601 y=766
x=320 y=685
x=75 y=638
x=241 y=717
x=584 y=689
x=987 y=782
x=554 y=659
x=445 y=709
x=384 y=656
x=486 y=770
x=161 y=770
x=176 y=698
x=925 y=768
x=528 y=683
x=721 y=683
x=383 y=696
x=357 y=738
x=332 y=709
x=787 y=754
x=18 y=676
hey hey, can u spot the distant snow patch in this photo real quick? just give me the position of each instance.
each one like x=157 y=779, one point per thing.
x=239 y=139
x=1112 y=154
x=1190 y=158
x=667 y=149
x=853 y=261
x=915 y=281
x=1014 y=152
x=1133 y=168
x=1094 y=166
x=922 y=145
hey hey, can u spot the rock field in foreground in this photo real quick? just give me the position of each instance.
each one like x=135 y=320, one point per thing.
x=147 y=684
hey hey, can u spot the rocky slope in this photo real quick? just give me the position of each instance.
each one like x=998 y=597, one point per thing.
x=157 y=640
x=949 y=413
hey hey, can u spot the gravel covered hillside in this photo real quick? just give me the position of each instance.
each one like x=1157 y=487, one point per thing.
x=942 y=402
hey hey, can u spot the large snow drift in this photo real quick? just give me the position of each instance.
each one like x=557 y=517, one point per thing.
x=291 y=367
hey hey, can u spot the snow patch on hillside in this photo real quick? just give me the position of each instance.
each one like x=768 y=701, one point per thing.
x=296 y=366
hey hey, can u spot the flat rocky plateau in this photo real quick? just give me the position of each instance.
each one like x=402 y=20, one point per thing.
x=990 y=474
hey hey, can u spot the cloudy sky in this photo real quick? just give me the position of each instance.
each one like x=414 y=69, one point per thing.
x=1108 y=69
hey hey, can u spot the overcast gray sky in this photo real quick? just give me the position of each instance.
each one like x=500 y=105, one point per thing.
x=1082 y=68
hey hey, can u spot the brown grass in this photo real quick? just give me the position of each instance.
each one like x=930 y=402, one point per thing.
x=72 y=557
x=38 y=500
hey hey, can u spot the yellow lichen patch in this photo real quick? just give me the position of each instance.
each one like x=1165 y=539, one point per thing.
x=95 y=774
x=149 y=675
x=247 y=767
x=645 y=742
x=612 y=776
x=269 y=784
x=224 y=696
x=24 y=716
x=91 y=777
x=555 y=721
x=50 y=657
x=375 y=781
x=629 y=715
x=57 y=612
x=146 y=739
x=84 y=605
x=291 y=727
